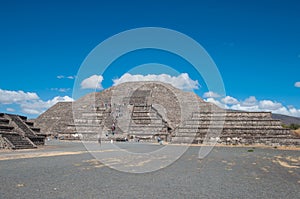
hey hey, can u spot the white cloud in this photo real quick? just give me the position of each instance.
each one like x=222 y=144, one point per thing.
x=216 y=102
x=242 y=107
x=297 y=84
x=269 y=105
x=39 y=106
x=10 y=97
x=70 y=77
x=65 y=77
x=93 y=82
x=249 y=102
x=60 y=76
x=10 y=110
x=211 y=94
x=294 y=111
x=31 y=111
x=29 y=102
x=229 y=100
x=252 y=104
x=182 y=81
x=62 y=90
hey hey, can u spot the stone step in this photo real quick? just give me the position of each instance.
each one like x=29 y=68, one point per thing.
x=229 y=118
x=144 y=114
x=146 y=117
x=18 y=141
x=24 y=147
x=245 y=140
x=87 y=121
x=89 y=117
x=237 y=118
x=149 y=126
x=88 y=128
x=295 y=142
x=233 y=129
x=238 y=133
x=250 y=115
x=142 y=106
x=4 y=121
x=30 y=124
x=147 y=122
x=152 y=130
x=279 y=136
x=84 y=125
x=20 y=122
x=24 y=118
x=35 y=129
x=234 y=122
x=145 y=129
x=4 y=127
x=150 y=136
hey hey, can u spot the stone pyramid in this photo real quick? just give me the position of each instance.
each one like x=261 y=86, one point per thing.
x=16 y=132
x=146 y=110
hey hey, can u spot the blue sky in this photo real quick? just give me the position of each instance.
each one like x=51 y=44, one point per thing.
x=255 y=45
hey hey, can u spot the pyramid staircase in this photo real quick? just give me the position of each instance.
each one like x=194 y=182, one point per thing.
x=18 y=133
x=87 y=122
x=146 y=122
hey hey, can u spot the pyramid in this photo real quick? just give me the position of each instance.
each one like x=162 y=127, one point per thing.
x=146 y=110
x=16 y=132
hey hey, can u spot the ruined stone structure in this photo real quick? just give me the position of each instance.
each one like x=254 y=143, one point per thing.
x=16 y=132
x=145 y=110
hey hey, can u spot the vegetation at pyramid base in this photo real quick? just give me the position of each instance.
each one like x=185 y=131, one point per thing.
x=291 y=126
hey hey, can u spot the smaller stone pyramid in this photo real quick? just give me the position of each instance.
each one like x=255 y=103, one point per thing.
x=16 y=132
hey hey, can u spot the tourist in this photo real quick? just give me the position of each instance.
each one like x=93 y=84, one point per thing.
x=99 y=139
x=159 y=140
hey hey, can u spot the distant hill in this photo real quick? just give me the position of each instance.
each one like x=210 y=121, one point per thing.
x=286 y=119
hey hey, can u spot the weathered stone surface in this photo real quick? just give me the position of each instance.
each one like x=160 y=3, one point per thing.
x=18 y=133
x=149 y=109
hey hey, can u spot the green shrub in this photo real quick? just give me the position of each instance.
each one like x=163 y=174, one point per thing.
x=291 y=126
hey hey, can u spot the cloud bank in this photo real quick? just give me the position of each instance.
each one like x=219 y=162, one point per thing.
x=62 y=90
x=252 y=104
x=28 y=102
x=92 y=82
x=36 y=107
x=182 y=81
x=211 y=94
x=8 y=97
